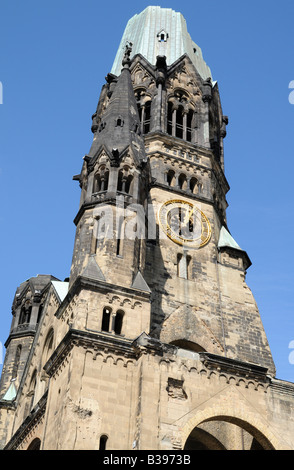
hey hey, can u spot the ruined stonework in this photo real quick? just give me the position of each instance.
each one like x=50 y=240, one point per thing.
x=155 y=341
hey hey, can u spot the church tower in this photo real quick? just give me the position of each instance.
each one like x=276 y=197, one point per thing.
x=155 y=342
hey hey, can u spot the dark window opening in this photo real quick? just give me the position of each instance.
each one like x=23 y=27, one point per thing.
x=147 y=117
x=170 y=178
x=40 y=313
x=182 y=182
x=189 y=125
x=118 y=322
x=35 y=445
x=106 y=319
x=119 y=122
x=102 y=442
x=124 y=181
x=169 y=118
x=25 y=315
x=144 y=110
x=119 y=237
x=179 y=124
x=16 y=362
x=193 y=185
x=101 y=181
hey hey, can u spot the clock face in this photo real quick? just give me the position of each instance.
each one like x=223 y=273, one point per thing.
x=184 y=223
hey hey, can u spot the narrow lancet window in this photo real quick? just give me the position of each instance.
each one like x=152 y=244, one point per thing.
x=183 y=266
x=118 y=322
x=102 y=442
x=106 y=319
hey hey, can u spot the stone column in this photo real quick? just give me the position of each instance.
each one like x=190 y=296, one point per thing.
x=112 y=183
x=185 y=126
x=206 y=97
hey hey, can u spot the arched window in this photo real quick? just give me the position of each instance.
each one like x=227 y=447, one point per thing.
x=179 y=122
x=189 y=125
x=184 y=266
x=40 y=313
x=16 y=362
x=193 y=186
x=124 y=180
x=101 y=180
x=118 y=322
x=25 y=314
x=162 y=36
x=48 y=347
x=112 y=322
x=119 y=122
x=119 y=236
x=147 y=117
x=102 y=442
x=32 y=389
x=170 y=178
x=106 y=319
x=182 y=182
x=170 y=118
x=35 y=444
x=144 y=109
x=180 y=116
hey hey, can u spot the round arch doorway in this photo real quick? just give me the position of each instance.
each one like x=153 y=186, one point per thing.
x=226 y=433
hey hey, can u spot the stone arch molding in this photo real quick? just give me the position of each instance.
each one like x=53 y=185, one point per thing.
x=244 y=418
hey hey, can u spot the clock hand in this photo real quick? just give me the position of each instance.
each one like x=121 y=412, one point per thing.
x=188 y=217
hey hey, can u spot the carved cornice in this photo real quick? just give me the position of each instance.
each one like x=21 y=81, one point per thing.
x=92 y=341
x=82 y=282
x=234 y=367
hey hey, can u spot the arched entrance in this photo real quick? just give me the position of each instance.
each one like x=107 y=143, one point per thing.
x=226 y=433
x=35 y=444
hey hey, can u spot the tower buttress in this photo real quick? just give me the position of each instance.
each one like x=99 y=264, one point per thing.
x=27 y=309
x=111 y=223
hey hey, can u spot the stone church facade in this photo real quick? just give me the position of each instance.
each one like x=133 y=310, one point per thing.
x=155 y=341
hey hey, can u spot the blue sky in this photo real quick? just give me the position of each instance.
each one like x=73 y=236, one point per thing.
x=53 y=60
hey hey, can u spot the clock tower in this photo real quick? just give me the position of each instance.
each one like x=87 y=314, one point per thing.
x=155 y=342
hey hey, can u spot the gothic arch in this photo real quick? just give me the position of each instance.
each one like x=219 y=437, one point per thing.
x=16 y=361
x=244 y=418
x=35 y=444
x=170 y=176
x=144 y=101
x=180 y=115
x=101 y=178
x=48 y=346
x=188 y=345
x=125 y=179
x=31 y=393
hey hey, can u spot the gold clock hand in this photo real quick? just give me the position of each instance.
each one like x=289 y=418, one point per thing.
x=188 y=217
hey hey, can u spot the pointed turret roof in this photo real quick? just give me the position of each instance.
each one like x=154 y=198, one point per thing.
x=11 y=392
x=119 y=124
x=226 y=240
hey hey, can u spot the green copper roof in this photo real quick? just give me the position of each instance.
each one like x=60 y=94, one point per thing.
x=225 y=239
x=11 y=392
x=156 y=32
